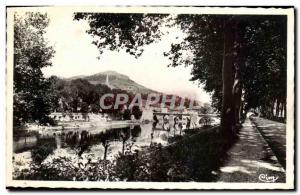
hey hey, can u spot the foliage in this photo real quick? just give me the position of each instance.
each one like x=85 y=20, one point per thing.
x=136 y=111
x=126 y=114
x=206 y=109
x=260 y=54
x=43 y=149
x=32 y=98
x=267 y=63
x=63 y=169
x=117 y=31
x=79 y=95
x=231 y=55
x=194 y=157
x=206 y=120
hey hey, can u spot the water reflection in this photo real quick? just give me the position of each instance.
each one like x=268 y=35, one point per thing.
x=122 y=153
x=104 y=143
x=21 y=144
x=107 y=142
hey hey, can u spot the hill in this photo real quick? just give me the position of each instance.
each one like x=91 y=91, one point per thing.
x=116 y=81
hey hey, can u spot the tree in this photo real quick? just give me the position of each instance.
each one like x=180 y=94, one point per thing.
x=32 y=99
x=126 y=114
x=229 y=54
x=206 y=121
x=206 y=109
x=137 y=112
x=216 y=46
x=84 y=109
x=119 y=31
x=266 y=68
x=95 y=108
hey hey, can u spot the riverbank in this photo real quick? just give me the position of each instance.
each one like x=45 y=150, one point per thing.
x=132 y=154
x=29 y=128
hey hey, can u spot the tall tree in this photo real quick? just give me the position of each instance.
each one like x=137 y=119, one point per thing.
x=32 y=100
x=265 y=68
x=123 y=31
x=220 y=48
x=234 y=55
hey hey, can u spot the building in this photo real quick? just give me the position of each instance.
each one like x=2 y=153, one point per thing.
x=68 y=117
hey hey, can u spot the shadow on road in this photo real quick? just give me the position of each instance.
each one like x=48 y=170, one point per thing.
x=275 y=134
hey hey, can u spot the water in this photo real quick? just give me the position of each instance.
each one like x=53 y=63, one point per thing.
x=118 y=152
x=101 y=142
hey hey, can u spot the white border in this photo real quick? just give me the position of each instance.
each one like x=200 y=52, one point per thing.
x=158 y=185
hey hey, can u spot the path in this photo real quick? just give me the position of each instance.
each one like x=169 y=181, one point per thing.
x=251 y=159
x=275 y=134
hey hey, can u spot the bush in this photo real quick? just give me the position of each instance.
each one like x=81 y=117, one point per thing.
x=43 y=149
x=206 y=121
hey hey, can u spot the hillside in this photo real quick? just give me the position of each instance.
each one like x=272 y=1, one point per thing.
x=116 y=80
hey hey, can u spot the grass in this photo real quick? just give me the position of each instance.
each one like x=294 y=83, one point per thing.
x=192 y=158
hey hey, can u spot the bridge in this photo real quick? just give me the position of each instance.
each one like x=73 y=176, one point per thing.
x=184 y=114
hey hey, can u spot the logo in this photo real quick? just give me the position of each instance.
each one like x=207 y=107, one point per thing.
x=267 y=178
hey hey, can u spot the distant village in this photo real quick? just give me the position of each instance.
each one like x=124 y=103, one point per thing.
x=100 y=116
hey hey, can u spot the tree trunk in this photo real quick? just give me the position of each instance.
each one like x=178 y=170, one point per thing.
x=281 y=109
x=277 y=108
x=284 y=109
x=274 y=108
x=241 y=111
x=105 y=145
x=237 y=93
x=271 y=109
x=228 y=111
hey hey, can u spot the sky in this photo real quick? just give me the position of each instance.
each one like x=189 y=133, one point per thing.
x=76 y=55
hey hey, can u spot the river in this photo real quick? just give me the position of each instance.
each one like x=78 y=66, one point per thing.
x=82 y=147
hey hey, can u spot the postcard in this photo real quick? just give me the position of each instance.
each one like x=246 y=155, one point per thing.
x=180 y=98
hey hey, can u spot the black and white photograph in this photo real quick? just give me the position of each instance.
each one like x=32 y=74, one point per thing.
x=150 y=97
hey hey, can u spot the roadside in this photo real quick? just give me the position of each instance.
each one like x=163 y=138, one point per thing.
x=275 y=134
x=251 y=159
